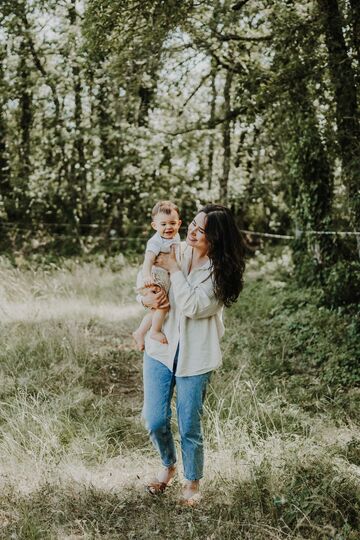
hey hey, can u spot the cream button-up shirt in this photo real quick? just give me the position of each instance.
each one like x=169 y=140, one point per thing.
x=194 y=321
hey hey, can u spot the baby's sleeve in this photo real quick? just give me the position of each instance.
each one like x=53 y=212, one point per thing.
x=153 y=245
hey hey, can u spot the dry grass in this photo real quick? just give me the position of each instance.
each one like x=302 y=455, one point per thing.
x=73 y=452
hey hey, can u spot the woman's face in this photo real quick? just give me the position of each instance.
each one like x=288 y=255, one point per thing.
x=196 y=233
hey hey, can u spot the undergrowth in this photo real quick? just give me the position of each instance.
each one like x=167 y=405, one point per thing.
x=281 y=416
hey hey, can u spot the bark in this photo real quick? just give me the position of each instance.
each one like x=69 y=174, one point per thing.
x=104 y=120
x=239 y=149
x=226 y=132
x=78 y=171
x=26 y=117
x=146 y=95
x=5 y=187
x=4 y=162
x=111 y=151
x=212 y=122
x=343 y=80
x=239 y=5
x=165 y=162
x=147 y=92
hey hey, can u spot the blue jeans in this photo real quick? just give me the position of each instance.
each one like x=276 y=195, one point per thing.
x=159 y=383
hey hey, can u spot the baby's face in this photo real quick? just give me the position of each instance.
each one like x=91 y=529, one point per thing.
x=167 y=225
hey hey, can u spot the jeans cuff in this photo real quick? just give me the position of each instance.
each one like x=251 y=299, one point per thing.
x=193 y=478
x=169 y=464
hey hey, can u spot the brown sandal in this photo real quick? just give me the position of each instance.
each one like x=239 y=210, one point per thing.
x=156 y=487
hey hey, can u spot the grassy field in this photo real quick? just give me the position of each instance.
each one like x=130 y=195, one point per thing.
x=281 y=420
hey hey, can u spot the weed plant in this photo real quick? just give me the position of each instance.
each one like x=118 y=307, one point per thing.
x=281 y=416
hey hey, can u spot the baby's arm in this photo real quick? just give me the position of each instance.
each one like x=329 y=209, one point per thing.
x=149 y=260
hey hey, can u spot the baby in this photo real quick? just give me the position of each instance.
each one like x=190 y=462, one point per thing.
x=166 y=222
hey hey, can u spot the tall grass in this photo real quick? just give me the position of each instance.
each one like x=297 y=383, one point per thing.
x=281 y=423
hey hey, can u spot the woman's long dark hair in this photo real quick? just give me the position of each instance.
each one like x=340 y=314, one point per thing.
x=226 y=252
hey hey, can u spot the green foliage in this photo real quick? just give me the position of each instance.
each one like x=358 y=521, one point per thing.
x=131 y=31
x=309 y=344
x=113 y=105
x=318 y=489
x=342 y=285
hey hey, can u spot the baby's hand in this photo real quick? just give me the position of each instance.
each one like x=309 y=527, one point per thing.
x=148 y=281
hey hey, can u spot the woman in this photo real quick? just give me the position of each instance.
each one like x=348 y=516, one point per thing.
x=210 y=277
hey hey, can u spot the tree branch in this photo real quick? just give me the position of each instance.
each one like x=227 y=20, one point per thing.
x=39 y=66
x=236 y=68
x=239 y=5
x=207 y=125
x=235 y=37
x=203 y=79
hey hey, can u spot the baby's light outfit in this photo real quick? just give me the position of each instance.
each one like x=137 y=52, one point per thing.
x=157 y=244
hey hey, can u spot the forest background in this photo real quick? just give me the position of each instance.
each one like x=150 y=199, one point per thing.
x=105 y=107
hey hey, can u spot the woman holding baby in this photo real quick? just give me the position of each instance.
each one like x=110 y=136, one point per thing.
x=208 y=276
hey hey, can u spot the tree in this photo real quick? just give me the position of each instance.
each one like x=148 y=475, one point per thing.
x=347 y=119
x=5 y=186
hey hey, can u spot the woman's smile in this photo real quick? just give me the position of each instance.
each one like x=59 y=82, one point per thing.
x=196 y=232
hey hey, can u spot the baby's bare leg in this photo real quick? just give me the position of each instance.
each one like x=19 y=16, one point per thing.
x=156 y=326
x=139 y=334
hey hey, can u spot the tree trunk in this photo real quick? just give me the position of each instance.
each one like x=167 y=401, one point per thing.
x=5 y=187
x=56 y=157
x=312 y=186
x=104 y=121
x=348 y=128
x=211 y=123
x=78 y=170
x=25 y=122
x=146 y=95
x=111 y=151
x=224 y=180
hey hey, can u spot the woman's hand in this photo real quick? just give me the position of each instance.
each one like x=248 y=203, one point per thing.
x=168 y=261
x=155 y=300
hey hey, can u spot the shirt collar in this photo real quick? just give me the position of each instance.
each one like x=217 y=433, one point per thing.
x=187 y=258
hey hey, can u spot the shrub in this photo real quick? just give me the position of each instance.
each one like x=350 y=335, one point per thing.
x=342 y=284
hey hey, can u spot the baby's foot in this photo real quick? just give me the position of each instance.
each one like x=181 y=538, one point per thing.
x=158 y=336
x=139 y=339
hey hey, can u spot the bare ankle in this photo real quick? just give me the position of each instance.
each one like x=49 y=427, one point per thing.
x=192 y=485
x=191 y=493
x=167 y=474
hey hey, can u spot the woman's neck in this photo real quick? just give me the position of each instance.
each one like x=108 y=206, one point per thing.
x=198 y=258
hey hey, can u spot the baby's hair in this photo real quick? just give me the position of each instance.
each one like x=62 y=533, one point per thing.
x=164 y=207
